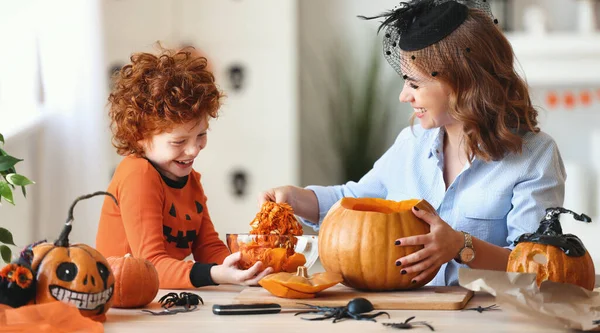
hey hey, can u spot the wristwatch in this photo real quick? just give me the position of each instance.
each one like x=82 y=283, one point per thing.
x=467 y=253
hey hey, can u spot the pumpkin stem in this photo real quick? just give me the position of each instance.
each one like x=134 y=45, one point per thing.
x=302 y=271
x=63 y=239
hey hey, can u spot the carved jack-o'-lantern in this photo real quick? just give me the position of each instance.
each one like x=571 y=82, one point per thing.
x=552 y=255
x=74 y=273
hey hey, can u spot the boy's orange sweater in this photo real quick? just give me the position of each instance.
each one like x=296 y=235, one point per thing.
x=163 y=221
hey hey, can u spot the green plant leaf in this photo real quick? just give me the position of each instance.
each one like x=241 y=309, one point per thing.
x=7 y=162
x=1 y=138
x=6 y=192
x=18 y=180
x=6 y=237
x=6 y=253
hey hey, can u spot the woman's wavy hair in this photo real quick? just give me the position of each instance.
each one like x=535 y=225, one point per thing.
x=155 y=93
x=487 y=95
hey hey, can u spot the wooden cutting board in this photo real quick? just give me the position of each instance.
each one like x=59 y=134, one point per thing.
x=425 y=298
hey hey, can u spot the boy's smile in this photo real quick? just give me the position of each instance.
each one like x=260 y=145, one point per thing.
x=173 y=152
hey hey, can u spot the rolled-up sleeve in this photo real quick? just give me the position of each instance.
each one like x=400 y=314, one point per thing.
x=368 y=186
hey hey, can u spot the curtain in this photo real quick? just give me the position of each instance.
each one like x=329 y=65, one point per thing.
x=75 y=139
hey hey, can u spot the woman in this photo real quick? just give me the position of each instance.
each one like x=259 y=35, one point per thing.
x=478 y=157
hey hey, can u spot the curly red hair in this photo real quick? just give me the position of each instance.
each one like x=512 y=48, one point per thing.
x=154 y=93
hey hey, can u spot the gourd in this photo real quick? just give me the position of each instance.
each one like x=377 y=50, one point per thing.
x=74 y=273
x=136 y=281
x=553 y=255
x=356 y=240
x=300 y=284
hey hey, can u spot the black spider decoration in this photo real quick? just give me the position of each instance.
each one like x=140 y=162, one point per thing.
x=356 y=309
x=480 y=309
x=407 y=325
x=184 y=299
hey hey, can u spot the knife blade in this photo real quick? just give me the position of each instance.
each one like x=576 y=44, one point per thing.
x=246 y=309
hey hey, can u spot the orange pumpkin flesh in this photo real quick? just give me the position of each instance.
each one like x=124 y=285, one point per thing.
x=284 y=292
x=293 y=262
x=275 y=227
x=299 y=285
x=136 y=281
x=356 y=240
x=76 y=274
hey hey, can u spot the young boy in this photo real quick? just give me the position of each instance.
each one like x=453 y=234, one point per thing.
x=159 y=109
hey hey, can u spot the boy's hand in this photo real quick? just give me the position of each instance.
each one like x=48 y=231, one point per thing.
x=229 y=273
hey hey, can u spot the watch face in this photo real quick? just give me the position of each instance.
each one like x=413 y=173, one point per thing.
x=467 y=254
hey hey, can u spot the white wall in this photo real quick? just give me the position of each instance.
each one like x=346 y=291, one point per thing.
x=327 y=27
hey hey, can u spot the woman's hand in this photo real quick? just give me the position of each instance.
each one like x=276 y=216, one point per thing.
x=279 y=195
x=442 y=244
x=229 y=273
x=304 y=202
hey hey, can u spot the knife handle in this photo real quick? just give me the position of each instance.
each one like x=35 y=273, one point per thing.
x=246 y=309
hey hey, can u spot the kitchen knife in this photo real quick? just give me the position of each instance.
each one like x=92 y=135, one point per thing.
x=246 y=309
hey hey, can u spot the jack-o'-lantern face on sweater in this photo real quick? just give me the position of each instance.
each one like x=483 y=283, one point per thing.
x=178 y=225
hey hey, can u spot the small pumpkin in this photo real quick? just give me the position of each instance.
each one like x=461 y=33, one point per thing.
x=356 y=240
x=76 y=274
x=136 y=281
x=299 y=285
x=553 y=255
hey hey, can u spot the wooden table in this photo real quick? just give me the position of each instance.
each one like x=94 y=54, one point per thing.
x=203 y=320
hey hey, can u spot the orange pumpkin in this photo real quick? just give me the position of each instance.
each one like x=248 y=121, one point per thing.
x=76 y=274
x=299 y=285
x=136 y=281
x=553 y=255
x=356 y=240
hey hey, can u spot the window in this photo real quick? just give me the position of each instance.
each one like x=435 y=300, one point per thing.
x=21 y=93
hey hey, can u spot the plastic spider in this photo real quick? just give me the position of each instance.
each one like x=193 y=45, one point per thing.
x=355 y=309
x=480 y=309
x=184 y=299
x=406 y=325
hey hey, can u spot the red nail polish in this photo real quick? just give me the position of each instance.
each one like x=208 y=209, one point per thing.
x=397 y=242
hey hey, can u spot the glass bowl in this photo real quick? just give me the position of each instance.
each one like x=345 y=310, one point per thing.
x=284 y=253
